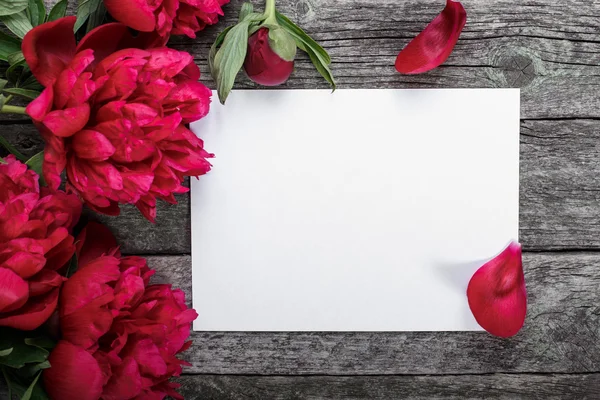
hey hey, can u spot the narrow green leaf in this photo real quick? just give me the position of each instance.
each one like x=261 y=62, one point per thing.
x=2 y=161
x=282 y=43
x=9 y=7
x=16 y=57
x=299 y=34
x=10 y=148
x=247 y=8
x=8 y=45
x=3 y=99
x=35 y=163
x=230 y=58
x=84 y=10
x=214 y=48
x=97 y=17
x=26 y=93
x=12 y=72
x=36 y=12
x=31 y=83
x=6 y=352
x=18 y=23
x=58 y=11
x=29 y=391
x=3 y=83
x=317 y=54
x=42 y=341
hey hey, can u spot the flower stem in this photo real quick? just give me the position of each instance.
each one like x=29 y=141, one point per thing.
x=13 y=110
x=270 y=13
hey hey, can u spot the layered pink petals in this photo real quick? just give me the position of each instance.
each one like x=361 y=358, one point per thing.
x=75 y=374
x=131 y=332
x=497 y=295
x=49 y=48
x=35 y=243
x=166 y=17
x=433 y=46
x=262 y=64
x=114 y=117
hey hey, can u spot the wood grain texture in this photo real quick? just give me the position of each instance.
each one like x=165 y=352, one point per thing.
x=560 y=192
x=460 y=387
x=549 y=49
x=561 y=334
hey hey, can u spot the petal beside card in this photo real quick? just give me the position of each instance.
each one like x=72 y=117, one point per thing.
x=361 y=210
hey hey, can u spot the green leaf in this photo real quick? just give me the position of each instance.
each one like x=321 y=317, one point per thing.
x=26 y=93
x=31 y=83
x=4 y=143
x=29 y=391
x=317 y=54
x=9 y=7
x=58 y=11
x=22 y=353
x=41 y=341
x=12 y=74
x=84 y=10
x=3 y=162
x=214 y=48
x=96 y=18
x=35 y=163
x=229 y=59
x=18 y=23
x=282 y=43
x=247 y=8
x=4 y=353
x=36 y=12
x=16 y=57
x=8 y=45
x=3 y=83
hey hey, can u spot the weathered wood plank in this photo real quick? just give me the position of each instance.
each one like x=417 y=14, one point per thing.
x=561 y=334
x=560 y=192
x=459 y=387
x=549 y=49
x=498 y=387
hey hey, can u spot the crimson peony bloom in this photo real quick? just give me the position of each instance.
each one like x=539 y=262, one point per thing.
x=262 y=64
x=166 y=17
x=497 y=294
x=35 y=243
x=433 y=46
x=120 y=336
x=113 y=117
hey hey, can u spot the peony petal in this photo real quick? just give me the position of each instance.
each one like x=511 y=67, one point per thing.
x=94 y=241
x=45 y=281
x=92 y=145
x=33 y=314
x=125 y=383
x=14 y=291
x=497 y=295
x=65 y=123
x=433 y=46
x=136 y=14
x=48 y=48
x=74 y=374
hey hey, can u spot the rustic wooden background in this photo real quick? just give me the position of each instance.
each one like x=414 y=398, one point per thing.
x=549 y=49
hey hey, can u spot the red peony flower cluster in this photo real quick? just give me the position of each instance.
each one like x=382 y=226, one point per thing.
x=35 y=244
x=121 y=336
x=114 y=116
x=166 y=17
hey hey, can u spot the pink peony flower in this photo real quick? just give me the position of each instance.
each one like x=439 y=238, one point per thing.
x=120 y=335
x=115 y=118
x=262 y=64
x=166 y=17
x=35 y=244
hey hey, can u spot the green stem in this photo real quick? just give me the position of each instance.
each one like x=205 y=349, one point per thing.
x=270 y=13
x=13 y=110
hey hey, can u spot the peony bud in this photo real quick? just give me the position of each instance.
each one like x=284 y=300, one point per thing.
x=263 y=64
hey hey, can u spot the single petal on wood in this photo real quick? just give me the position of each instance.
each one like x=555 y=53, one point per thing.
x=497 y=295
x=433 y=46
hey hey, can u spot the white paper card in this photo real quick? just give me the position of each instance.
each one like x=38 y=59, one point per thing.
x=361 y=210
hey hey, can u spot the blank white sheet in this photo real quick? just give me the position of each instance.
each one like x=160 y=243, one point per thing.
x=361 y=210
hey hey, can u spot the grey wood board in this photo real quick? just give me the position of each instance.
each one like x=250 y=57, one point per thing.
x=448 y=387
x=458 y=387
x=561 y=334
x=559 y=204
